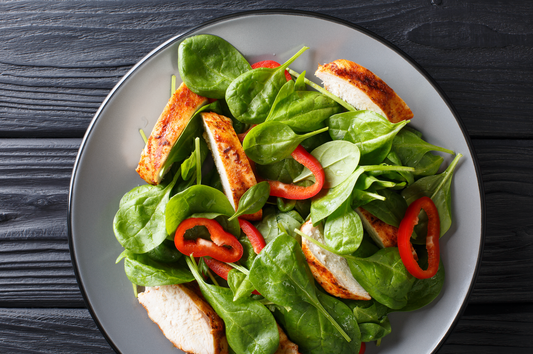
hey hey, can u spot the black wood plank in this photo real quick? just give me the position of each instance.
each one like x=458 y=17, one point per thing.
x=59 y=60
x=482 y=329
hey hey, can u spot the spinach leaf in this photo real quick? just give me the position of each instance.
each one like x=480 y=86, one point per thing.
x=239 y=284
x=208 y=64
x=424 y=291
x=343 y=230
x=303 y=111
x=250 y=326
x=306 y=326
x=198 y=199
x=142 y=270
x=188 y=167
x=326 y=204
x=269 y=227
x=391 y=210
x=410 y=147
x=365 y=181
x=393 y=159
x=372 y=319
x=273 y=141
x=284 y=170
x=253 y=199
x=166 y=252
x=139 y=224
x=371 y=132
x=366 y=248
x=281 y=275
x=384 y=276
x=285 y=205
x=438 y=188
x=251 y=95
x=338 y=159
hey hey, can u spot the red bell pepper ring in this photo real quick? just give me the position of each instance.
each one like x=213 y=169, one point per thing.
x=432 y=239
x=256 y=239
x=223 y=246
x=271 y=64
x=220 y=268
x=363 y=348
x=292 y=191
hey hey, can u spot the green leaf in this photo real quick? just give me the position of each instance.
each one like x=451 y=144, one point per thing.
x=384 y=276
x=273 y=141
x=338 y=159
x=371 y=132
x=253 y=199
x=251 y=95
x=142 y=270
x=343 y=230
x=208 y=64
x=410 y=147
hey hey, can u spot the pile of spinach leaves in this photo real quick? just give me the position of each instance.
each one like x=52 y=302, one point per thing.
x=368 y=162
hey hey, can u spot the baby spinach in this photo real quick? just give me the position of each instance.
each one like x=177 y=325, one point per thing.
x=251 y=95
x=372 y=319
x=326 y=204
x=188 y=167
x=424 y=291
x=250 y=326
x=269 y=227
x=142 y=270
x=371 y=132
x=281 y=275
x=208 y=64
x=343 y=230
x=239 y=284
x=410 y=147
x=198 y=199
x=391 y=210
x=253 y=199
x=438 y=188
x=273 y=141
x=384 y=276
x=303 y=111
x=307 y=326
x=166 y=252
x=285 y=205
x=139 y=224
x=338 y=159
x=284 y=170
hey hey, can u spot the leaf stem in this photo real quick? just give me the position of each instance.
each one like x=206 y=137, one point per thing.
x=239 y=268
x=324 y=91
x=145 y=139
x=293 y=58
x=198 y=161
x=449 y=172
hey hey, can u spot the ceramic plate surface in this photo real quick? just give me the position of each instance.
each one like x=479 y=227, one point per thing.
x=105 y=170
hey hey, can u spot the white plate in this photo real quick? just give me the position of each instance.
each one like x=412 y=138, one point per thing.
x=108 y=156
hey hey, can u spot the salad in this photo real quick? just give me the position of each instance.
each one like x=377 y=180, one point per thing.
x=266 y=184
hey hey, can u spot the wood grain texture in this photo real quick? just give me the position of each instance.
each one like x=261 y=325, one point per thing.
x=59 y=60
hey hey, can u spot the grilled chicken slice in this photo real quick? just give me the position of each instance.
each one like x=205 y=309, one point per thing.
x=185 y=318
x=330 y=270
x=285 y=345
x=363 y=89
x=168 y=128
x=235 y=171
x=383 y=234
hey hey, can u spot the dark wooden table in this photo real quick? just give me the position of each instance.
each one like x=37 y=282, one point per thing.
x=58 y=61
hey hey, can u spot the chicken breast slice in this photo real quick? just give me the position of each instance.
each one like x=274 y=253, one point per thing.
x=185 y=318
x=235 y=171
x=168 y=128
x=383 y=234
x=363 y=89
x=331 y=271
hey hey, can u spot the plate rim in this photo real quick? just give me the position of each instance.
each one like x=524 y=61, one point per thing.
x=288 y=12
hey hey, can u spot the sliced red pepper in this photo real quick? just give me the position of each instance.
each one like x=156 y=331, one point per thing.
x=223 y=246
x=432 y=239
x=292 y=191
x=363 y=348
x=270 y=64
x=256 y=239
